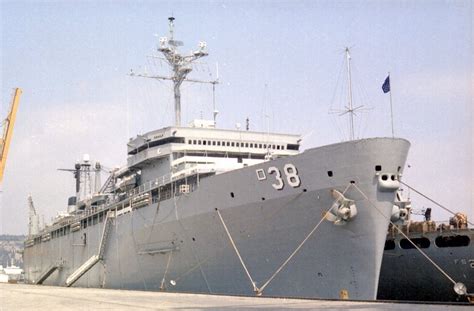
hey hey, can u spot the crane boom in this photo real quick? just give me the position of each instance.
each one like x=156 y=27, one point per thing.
x=8 y=131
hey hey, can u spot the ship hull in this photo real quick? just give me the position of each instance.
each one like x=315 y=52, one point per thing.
x=181 y=244
x=407 y=275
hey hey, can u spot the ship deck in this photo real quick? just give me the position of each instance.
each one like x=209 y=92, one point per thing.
x=34 y=297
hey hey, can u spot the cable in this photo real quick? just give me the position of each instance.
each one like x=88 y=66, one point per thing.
x=433 y=201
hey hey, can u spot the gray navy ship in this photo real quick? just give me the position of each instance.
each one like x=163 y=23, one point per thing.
x=207 y=210
x=407 y=275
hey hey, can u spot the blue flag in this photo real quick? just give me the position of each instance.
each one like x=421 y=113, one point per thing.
x=386 y=85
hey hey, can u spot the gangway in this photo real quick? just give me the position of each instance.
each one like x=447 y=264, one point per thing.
x=76 y=275
x=81 y=270
x=105 y=233
x=47 y=273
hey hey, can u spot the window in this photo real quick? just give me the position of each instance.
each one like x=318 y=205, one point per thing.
x=420 y=242
x=194 y=142
x=213 y=143
x=246 y=145
x=452 y=241
x=232 y=144
x=293 y=147
x=389 y=244
x=204 y=142
x=189 y=142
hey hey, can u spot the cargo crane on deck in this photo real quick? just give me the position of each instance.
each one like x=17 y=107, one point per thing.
x=8 y=124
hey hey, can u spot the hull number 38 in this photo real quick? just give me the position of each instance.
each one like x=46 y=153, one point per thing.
x=289 y=176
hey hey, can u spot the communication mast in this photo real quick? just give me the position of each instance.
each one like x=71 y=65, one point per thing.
x=181 y=65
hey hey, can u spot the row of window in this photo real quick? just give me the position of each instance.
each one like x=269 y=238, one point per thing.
x=441 y=241
x=60 y=232
x=235 y=144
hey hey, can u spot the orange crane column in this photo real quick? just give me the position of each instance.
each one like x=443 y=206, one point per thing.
x=8 y=131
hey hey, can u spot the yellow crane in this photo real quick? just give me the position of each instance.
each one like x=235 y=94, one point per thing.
x=8 y=130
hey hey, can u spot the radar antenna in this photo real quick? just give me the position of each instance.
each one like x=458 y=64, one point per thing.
x=181 y=66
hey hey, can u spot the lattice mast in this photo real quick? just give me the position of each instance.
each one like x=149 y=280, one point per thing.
x=181 y=66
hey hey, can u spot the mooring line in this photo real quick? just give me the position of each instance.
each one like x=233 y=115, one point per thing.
x=299 y=246
x=433 y=201
x=255 y=289
x=162 y=286
x=405 y=236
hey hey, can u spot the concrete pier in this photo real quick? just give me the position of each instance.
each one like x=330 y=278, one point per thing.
x=48 y=298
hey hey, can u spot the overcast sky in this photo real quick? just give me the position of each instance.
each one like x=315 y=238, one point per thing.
x=283 y=59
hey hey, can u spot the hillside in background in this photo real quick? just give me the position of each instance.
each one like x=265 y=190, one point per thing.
x=11 y=247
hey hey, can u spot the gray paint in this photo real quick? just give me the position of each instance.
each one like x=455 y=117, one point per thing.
x=407 y=275
x=265 y=232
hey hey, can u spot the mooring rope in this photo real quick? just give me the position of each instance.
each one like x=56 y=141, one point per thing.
x=255 y=289
x=405 y=236
x=299 y=246
x=166 y=271
x=433 y=201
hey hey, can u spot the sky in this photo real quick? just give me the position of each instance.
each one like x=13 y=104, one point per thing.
x=280 y=63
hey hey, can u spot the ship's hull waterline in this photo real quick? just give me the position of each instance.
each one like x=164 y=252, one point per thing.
x=180 y=244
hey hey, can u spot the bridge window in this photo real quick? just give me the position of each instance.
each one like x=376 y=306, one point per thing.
x=293 y=147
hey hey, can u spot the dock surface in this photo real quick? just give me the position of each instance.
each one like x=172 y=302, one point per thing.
x=37 y=297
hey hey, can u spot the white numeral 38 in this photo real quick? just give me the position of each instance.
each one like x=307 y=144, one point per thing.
x=291 y=176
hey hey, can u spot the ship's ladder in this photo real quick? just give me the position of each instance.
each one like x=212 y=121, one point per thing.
x=48 y=272
x=105 y=233
x=79 y=272
x=109 y=185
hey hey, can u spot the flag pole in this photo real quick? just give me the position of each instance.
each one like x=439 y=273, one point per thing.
x=391 y=106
